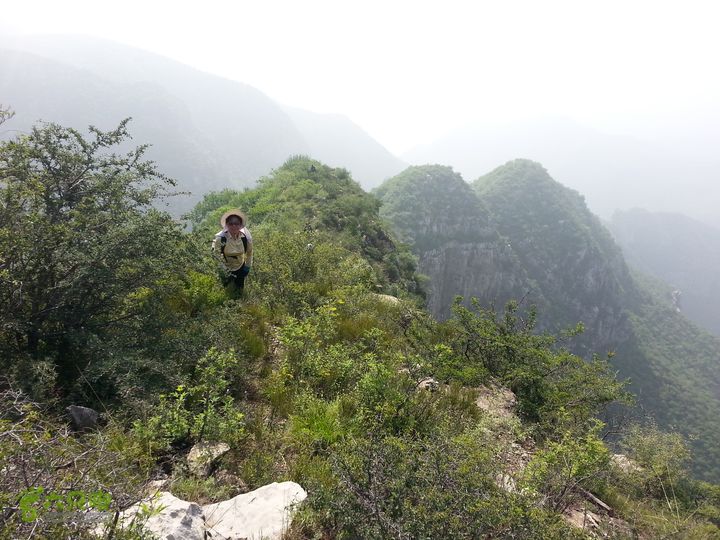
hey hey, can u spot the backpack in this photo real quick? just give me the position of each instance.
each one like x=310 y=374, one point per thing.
x=223 y=241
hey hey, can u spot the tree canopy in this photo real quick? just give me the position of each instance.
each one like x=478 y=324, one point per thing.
x=79 y=236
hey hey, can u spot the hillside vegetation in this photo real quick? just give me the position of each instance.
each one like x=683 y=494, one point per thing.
x=681 y=251
x=327 y=371
x=539 y=242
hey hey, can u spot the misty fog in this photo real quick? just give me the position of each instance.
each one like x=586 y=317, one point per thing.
x=618 y=102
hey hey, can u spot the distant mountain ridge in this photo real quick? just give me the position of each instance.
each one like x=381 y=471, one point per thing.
x=611 y=171
x=681 y=251
x=537 y=241
x=207 y=132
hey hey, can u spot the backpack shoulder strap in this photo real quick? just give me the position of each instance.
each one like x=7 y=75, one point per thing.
x=223 y=241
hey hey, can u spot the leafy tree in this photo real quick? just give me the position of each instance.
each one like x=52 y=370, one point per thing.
x=661 y=459
x=563 y=466
x=79 y=239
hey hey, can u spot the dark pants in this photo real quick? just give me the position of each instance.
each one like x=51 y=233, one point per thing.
x=237 y=277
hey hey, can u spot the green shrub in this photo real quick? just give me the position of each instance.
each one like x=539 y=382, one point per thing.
x=559 y=469
x=403 y=487
x=203 y=410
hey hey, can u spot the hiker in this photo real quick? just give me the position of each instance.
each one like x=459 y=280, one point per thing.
x=233 y=247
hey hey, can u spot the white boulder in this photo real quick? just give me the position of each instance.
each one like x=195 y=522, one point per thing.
x=261 y=514
x=166 y=517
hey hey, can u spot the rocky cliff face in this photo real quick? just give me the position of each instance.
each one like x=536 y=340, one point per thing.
x=485 y=270
x=436 y=212
x=516 y=234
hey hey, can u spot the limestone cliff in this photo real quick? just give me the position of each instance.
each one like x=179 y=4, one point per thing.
x=565 y=249
x=434 y=210
x=517 y=235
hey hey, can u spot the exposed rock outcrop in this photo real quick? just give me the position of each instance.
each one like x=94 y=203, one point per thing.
x=497 y=401
x=166 y=517
x=203 y=455
x=263 y=514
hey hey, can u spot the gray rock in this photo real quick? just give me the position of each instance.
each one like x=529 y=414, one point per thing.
x=83 y=418
x=497 y=400
x=428 y=383
x=625 y=464
x=264 y=514
x=203 y=455
x=261 y=514
x=388 y=299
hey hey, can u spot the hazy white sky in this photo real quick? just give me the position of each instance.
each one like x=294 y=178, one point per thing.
x=408 y=71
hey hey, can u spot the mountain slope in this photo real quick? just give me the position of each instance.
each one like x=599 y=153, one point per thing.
x=435 y=211
x=563 y=247
x=233 y=132
x=37 y=88
x=681 y=251
x=672 y=364
x=566 y=262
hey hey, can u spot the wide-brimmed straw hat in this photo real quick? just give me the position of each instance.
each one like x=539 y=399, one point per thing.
x=234 y=212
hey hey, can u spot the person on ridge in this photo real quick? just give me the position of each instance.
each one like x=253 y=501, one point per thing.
x=233 y=247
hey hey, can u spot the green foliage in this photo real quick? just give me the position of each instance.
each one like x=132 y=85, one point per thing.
x=554 y=388
x=200 y=490
x=655 y=493
x=79 y=237
x=684 y=376
x=298 y=272
x=417 y=200
x=319 y=423
x=660 y=457
x=205 y=410
x=402 y=487
x=306 y=204
x=202 y=292
x=312 y=375
x=561 y=467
